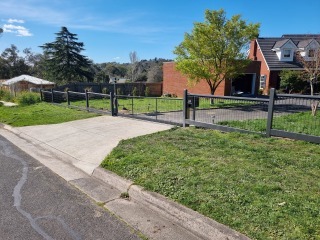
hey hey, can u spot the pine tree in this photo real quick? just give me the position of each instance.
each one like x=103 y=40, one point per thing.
x=64 y=62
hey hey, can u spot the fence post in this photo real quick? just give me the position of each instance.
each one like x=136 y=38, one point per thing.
x=115 y=105
x=52 y=97
x=87 y=99
x=132 y=105
x=41 y=98
x=111 y=103
x=156 y=108
x=68 y=98
x=270 y=111
x=194 y=108
x=186 y=109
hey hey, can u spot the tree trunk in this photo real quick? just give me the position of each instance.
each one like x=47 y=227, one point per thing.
x=311 y=87
x=212 y=90
x=314 y=107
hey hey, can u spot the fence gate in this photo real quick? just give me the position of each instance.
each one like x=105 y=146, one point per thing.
x=90 y=101
x=158 y=109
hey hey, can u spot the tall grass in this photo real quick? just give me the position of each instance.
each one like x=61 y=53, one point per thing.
x=21 y=98
x=27 y=98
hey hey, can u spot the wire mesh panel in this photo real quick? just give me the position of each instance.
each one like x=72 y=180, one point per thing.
x=99 y=101
x=152 y=108
x=170 y=110
x=77 y=99
x=244 y=113
x=46 y=96
x=293 y=113
x=59 y=97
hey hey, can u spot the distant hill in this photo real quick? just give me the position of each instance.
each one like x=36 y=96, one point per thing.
x=144 y=70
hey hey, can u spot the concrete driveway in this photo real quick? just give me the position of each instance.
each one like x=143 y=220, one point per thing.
x=89 y=141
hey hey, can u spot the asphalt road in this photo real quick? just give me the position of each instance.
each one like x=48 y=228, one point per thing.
x=37 y=204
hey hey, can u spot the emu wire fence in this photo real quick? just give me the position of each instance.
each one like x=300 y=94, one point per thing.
x=282 y=115
x=165 y=110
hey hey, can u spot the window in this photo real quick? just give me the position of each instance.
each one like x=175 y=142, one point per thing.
x=311 y=53
x=286 y=53
x=263 y=81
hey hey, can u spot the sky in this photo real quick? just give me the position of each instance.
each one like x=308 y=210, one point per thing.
x=111 y=29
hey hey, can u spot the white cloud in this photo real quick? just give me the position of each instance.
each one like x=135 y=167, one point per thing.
x=10 y=20
x=18 y=30
x=116 y=58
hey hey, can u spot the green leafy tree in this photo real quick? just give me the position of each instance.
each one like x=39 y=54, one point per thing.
x=291 y=81
x=36 y=63
x=214 y=50
x=11 y=64
x=64 y=60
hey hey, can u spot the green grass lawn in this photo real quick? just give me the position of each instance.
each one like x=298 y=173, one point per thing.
x=302 y=122
x=38 y=114
x=140 y=105
x=266 y=188
x=149 y=105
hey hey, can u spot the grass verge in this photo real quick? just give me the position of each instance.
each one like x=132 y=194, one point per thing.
x=266 y=188
x=302 y=122
x=39 y=114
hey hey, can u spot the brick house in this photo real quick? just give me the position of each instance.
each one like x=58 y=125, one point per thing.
x=175 y=82
x=276 y=54
x=269 y=56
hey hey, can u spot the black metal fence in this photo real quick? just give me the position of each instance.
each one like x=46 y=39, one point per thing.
x=90 y=101
x=280 y=115
x=166 y=110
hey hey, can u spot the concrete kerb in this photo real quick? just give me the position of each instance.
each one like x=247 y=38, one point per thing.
x=201 y=226
x=195 y=223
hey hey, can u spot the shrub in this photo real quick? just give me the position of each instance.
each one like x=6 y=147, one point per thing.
x=147 y=92
x=105 y=90
x=135 y=91
x=1 y=104
x=119 y=91
x=27 y=98
x=5 y=95
x=291 y=81
x=89 y=89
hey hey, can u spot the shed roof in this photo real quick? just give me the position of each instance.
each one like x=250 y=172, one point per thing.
x=27 y=78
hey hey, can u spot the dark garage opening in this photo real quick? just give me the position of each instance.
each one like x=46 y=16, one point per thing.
x=242 y=85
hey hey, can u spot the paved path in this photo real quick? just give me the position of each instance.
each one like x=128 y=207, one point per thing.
x=8 y=104
x=73 y=150
x=89 y=141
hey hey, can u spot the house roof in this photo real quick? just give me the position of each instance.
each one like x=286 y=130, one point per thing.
x=280 y=43
x=27 y=78
x=267 y=44
x=304 y=43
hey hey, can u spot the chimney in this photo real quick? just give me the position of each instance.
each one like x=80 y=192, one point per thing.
x=253 y=50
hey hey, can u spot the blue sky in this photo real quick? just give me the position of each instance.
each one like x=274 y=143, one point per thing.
x=111 y=29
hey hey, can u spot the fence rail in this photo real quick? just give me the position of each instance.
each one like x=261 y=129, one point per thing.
x=281 y=115
x=166 y=110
